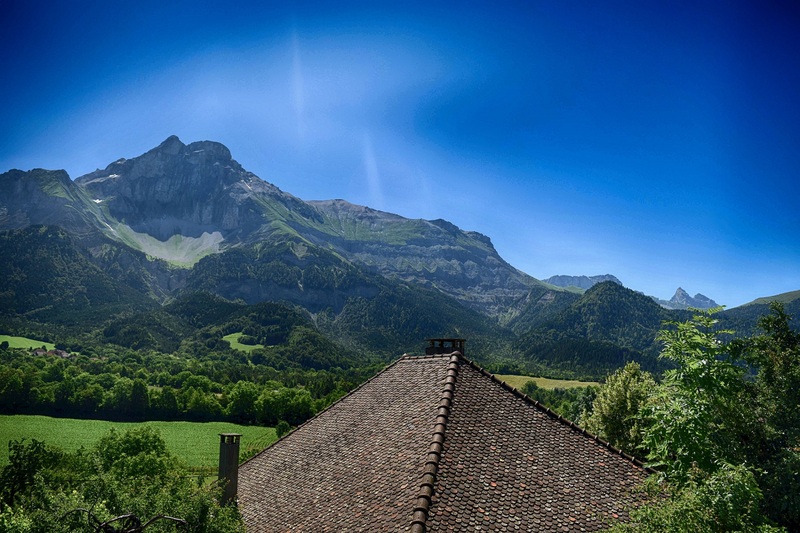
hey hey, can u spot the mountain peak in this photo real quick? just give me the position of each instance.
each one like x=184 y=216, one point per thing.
x=171 y=144
x=680 y=297
x=682 y=300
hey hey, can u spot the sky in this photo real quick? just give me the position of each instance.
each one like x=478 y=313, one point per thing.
x=655 y=141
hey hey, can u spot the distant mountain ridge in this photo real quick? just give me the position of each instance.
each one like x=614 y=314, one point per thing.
x=682 y=300
x=580 y=282
x=103 y=254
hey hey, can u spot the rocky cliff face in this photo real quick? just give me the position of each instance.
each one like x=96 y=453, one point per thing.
x=182 y=203
x=188 y=190
x=44 y=197
x=682 y=300
x=435 y=254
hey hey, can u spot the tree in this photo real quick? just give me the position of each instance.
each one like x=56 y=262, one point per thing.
x=140 y=401
x=708 y=427
x=616 y=408
x=727 y=500
x=293 y=405
x=282 y=428
x=242 y=401
x=696 y=417
x=12 y=389
x=776 y=354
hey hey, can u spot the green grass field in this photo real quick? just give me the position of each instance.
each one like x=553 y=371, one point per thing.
x=24 y=342
x=196 y=443
x=233 y=339
x=546 y=383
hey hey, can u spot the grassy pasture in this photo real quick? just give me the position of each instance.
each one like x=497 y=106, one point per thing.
x=24 y=342
x=545 y=383
x=196 y=443
x=233 y=339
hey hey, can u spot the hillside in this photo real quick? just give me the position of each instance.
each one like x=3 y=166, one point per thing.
x=153 y=251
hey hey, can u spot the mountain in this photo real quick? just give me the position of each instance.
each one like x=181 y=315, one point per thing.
x=181 y=246
x=743 y=319
x=601 y=330
x=682 y=300
x=186 y=218
x=580 y=282
x=182 y=203
x=47 y=277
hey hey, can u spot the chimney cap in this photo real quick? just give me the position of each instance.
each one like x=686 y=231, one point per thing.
x=445 y=346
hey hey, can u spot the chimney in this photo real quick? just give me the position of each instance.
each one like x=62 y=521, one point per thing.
x=229 y=466
x=445 y=346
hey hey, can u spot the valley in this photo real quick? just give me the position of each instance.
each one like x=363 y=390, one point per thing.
x=178 y=295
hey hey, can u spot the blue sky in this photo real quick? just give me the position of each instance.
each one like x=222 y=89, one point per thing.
x=656 y=141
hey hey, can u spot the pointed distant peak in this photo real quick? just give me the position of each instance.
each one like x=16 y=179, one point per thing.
x=682 y=300
x=680 y=297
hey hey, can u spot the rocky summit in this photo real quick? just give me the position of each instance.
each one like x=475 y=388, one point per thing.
x=181 y=203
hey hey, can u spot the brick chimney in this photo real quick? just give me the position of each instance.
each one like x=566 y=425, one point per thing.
x=229 y=466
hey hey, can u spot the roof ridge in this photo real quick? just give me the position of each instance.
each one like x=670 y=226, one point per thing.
x=426 y=488
x=560 y=418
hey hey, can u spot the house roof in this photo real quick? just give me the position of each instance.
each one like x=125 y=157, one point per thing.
x=434 y=443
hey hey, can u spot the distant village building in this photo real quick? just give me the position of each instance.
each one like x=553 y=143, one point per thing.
x=434 y=443
x=52 y=353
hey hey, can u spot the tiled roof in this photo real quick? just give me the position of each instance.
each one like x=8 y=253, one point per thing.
x=434 y=443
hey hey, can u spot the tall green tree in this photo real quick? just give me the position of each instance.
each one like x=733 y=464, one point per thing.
x=615 y=411
x=776 y=355
x=696 y=417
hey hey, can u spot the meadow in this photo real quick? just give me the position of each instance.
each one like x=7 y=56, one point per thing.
x=233 y=340
x=518 y=382
x=196 y=443
x=24 y=342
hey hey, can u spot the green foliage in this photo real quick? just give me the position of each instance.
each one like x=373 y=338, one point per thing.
x=776 y=353
x=291 y=405
x=47 y=276
x=242 y=400
x=724 y=434
x=695 y=417
x=570 y=403
x=126 y=473
x=726 y=500
x=615 y=410
x=282 y=428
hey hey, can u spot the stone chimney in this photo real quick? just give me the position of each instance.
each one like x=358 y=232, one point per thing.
x=229 y=466
x=445 y=346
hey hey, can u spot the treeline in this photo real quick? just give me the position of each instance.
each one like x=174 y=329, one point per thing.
x=134 y=386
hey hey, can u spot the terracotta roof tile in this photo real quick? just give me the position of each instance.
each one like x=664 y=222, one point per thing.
x=436 y=444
